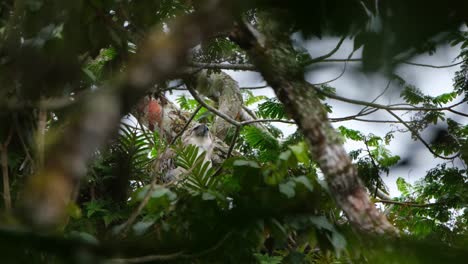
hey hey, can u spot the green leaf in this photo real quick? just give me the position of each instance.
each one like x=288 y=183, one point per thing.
x=304 y=181
x=208 y=196
x=246 y=163
x=351 y=134
x=300 y=150
x=272 y=108
x=266 y=259
x=140 y=228
x=445 y=98
x=158 y=191
x=74 y=210
x=412 y=95
x=338 y=240
x=95 y=206
x=248 y=173
x=85 y=237
x=287 y=189
x=250 y=98
x=403 y=186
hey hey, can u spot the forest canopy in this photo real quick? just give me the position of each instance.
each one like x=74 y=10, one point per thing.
x=125 y=137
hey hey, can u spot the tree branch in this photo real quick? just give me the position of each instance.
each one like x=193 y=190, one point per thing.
x=410 y=204
x=384 y=107
x=212 y=109
x=416 y=134
x=328 y=55
x=186 y=125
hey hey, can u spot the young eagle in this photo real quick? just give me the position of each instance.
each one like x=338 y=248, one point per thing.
x=200 y=136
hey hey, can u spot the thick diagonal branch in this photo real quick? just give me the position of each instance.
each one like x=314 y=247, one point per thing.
x=276 y=62
x=160 y=58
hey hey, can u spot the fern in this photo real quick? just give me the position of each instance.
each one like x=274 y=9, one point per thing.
x=186 y=104
x=271 y=108
x=134 y=144
x=199 y=171
x=414 y=95
x=267 y=145
x=250 y=98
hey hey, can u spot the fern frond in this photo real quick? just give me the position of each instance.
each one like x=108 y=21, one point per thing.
x=133 y=143
x=260 y=139
x=199 y=176
x=250 y=98
x=268 y=146
x=271 y=108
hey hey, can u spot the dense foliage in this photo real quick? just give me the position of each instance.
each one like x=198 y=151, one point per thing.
x=266 y=200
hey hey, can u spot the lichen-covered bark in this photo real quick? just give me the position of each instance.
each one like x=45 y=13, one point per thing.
x=276 y=61
x=225 y=92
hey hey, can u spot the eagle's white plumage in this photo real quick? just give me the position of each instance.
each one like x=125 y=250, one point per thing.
x=199 y=135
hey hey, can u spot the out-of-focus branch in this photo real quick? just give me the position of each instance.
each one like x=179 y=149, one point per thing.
x=160 y=58
x=177 y=255
x=4 y=164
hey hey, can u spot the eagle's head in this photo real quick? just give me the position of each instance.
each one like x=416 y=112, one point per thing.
x=200 y=130
x=200 y=136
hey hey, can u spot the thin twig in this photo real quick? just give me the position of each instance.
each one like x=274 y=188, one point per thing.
x=250 y=67
x=243 y=123
x=233 y=142
x=370 y=121
x=353 y=117
x=23 y=144
x=404 y=62
x=328 y=55
x=41 y=130
x=384 y=107
x=210 y=108
x=378 y=96
x=254 y=87
x=407 y=203
x=415 y=133
x=457 y=112
x=340 y=75
x=186 y=125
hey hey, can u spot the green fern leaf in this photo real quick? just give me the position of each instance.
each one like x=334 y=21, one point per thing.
x=271 y=108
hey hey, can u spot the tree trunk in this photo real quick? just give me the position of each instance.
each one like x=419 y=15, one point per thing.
x=276 y=61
